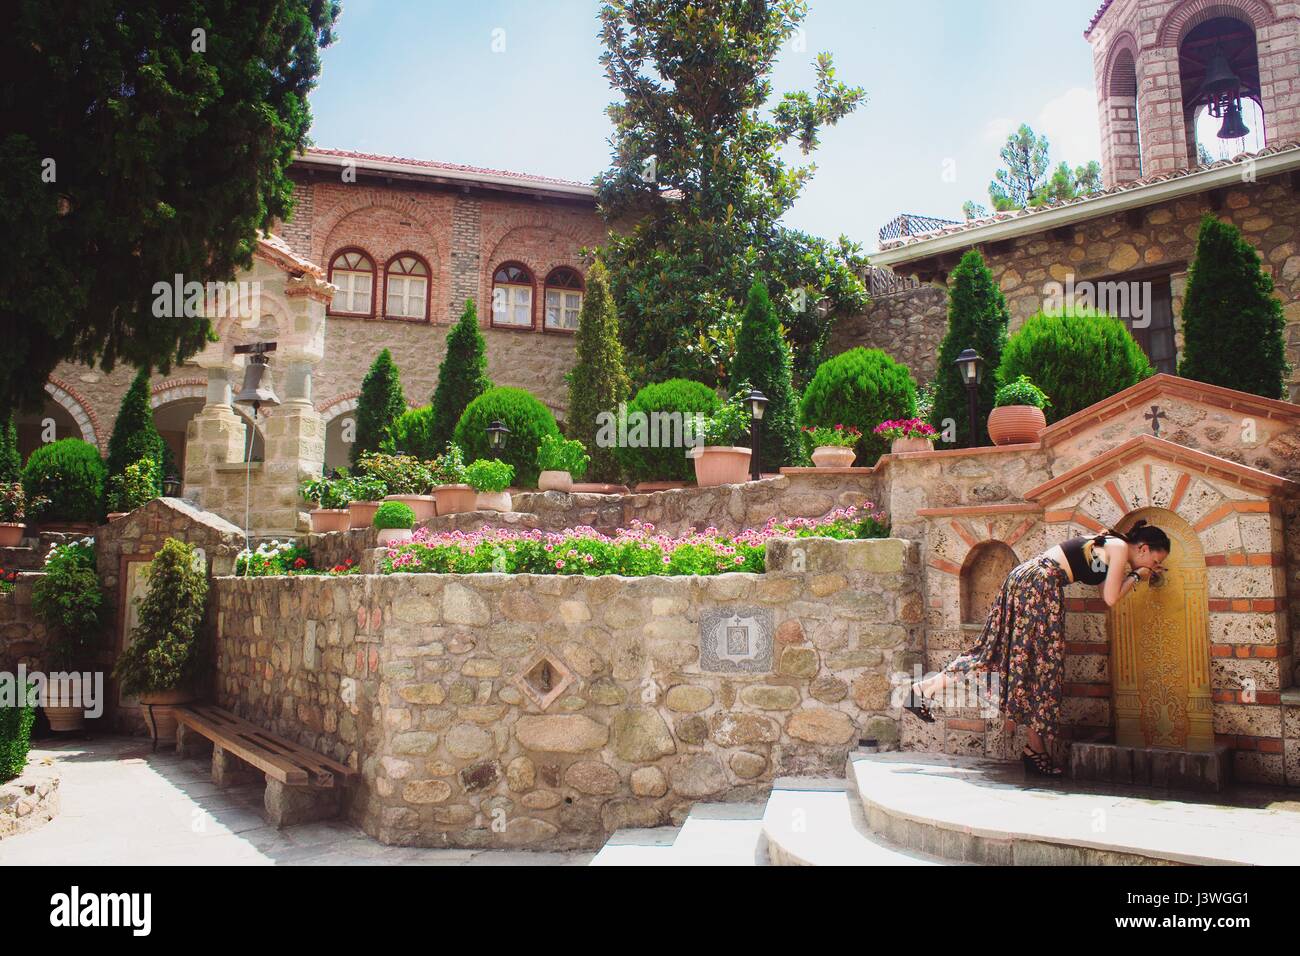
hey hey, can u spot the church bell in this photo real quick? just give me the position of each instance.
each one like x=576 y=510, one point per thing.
x=254 y=391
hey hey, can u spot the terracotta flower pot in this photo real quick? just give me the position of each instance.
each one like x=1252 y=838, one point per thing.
x=493 y=501
x=392 y=536
x=833 y=456
x=424 y=506
x=901 y=445
x=330 y=519
x=1016 y=424
x=555 y=481
x=11 y=535
x=720 y=465
x=65 y=707
x=361 y=514
x=453 y=499
x=159 y=711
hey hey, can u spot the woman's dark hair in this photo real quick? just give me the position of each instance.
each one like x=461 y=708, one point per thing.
x=1141 y=533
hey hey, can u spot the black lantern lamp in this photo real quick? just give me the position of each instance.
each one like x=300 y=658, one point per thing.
x=172 y=486
x=756 y=402
x=1221 y=93
x=971 y=368
x=497 y=434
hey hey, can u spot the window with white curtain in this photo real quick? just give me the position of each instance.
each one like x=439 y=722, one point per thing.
x=512 y=297
x=354 y=274
x=407 y=288
x=563 y=299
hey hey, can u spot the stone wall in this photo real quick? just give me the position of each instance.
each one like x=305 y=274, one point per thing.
x=539 y=711
x=22 y=635
x=908 y=325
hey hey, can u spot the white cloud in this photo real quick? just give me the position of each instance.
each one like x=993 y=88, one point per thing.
x=1070 y=124
x=997 y=130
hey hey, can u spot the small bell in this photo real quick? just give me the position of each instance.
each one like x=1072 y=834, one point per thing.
x=254 y=392
x=1221 y=86
x=1233 y=127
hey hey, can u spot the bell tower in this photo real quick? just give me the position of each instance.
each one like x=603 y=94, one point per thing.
x=1182 y=80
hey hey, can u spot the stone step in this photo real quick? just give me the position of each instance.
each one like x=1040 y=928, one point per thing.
x=819 y=822
x=985 y=811
x=713 y=834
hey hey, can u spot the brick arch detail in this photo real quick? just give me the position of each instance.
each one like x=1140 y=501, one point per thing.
x=1191 y=13
x=363 y=199
x=1124 y=42
x=81 y=411
x=176 y=389
x=345 y=402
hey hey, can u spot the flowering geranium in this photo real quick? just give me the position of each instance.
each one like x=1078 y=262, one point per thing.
x=906 y=428
x=841 y=436
x=635 y=551
x=274 y=557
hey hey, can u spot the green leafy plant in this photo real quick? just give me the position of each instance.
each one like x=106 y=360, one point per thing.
x=977 y=319
x=763 y=361
x=1078 y=357
x=136 y=486
x=860 y=387
x=361 y=488
x=1234 y=329
x=394 y=514
x=135 y=437
x=526 y=417
x=165 y=652
x=11 y=462
x=449 y=467
x=70 y=475
x=1021 y=392
x=462 y=377
x=598 y=382
x=730 y=425
x=16 y=735
x=557 y=454
x=380 y=404
x=68 y=600
x=660 y=411
x=399 y=474
x=411 y=434
x=489 y=475
x=839 y=436
x=329 y=493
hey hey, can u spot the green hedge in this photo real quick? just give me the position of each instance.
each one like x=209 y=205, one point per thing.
x=70 y=473
x=679 y=395
x=1077 y=357
x=413 y=434
x=526 y=417
x=861 y=387
x=15 y=739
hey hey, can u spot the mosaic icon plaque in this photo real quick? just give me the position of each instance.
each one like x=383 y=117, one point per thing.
x=734 y=640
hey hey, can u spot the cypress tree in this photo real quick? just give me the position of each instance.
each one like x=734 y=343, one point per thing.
x=598 y=381
x=1233 y=325
x=134 y=434
x=763 y=360
x=977 y=319
x=11 y=463
x=462 y=376
x=380 y=404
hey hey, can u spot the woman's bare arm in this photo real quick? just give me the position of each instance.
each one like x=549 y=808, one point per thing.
x=1117 y=583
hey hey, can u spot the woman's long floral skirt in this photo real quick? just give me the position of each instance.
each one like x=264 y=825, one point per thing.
x=1023 y=645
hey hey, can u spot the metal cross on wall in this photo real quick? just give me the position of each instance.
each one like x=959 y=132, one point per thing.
x=1154 y=417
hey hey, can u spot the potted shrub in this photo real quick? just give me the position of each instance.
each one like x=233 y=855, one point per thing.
x=364 y=495
x=907 y=434
x=1018 y=413
x=490 y=478
x=561 y=463
x=70 y=475
x=162 y=664
x=13 y=513
x=407 y=479
x=666 y=464
x=68 y=600
x=135 y=487
x=394 y=520
x=329 y=495
x=721 y=461
x=450 y=489
x=833 y=447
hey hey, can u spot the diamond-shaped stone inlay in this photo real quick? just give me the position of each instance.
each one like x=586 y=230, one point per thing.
x=543 y=678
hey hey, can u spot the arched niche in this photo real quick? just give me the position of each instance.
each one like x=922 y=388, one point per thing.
x=982 y=574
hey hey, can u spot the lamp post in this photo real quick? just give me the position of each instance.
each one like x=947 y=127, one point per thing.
x=971 y=367
x=256 y=394
x=497 y=434
x=756 y=402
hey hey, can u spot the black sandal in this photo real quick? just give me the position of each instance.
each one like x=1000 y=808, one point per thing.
x=919 y=705
x=1039 y=763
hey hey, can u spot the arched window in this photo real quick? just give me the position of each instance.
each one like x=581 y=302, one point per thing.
x=563 y=299
x=512 y=296
x=406 y=287
x=354 y=273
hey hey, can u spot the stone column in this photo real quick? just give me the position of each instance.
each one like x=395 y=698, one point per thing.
x=215 y=436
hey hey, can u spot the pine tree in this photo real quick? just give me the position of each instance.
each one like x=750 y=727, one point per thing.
x=598 y=382
x=1233 y=325
x=763 y=360
x=11 y=462
x=977 y=319
x=134 y=434
x=462 y=376
x=380 y=404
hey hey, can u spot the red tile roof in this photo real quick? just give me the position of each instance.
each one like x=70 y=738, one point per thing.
x=434 y=165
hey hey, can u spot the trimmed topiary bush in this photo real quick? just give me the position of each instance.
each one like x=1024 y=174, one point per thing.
x=11 y=463
x=70 y=474
x=380 y=404
x=668 y=463
x=862 y=388
x=526 y=417
x=598 y=382
x=412 y=434
x=763 y=360
x=134 y=434
x=1077 y=357
x=1234 y=330
x=462 y=377
x=165 y=652
x=15 y=737
x=393 y=514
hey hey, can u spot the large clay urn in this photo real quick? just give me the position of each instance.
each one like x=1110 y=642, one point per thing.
x=1016 y=424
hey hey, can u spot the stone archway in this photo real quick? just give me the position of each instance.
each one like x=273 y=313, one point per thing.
x=1160 y=648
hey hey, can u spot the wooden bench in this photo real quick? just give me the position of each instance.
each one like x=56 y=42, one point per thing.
x=301 y=785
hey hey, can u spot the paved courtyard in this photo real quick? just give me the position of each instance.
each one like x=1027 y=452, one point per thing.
x=123 y=804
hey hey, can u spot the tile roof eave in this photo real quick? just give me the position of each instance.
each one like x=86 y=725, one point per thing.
x=432 y=169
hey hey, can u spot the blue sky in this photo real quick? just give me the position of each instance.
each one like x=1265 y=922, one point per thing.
x=946 y=80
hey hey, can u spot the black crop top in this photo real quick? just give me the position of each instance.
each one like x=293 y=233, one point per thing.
x=1087 y=560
